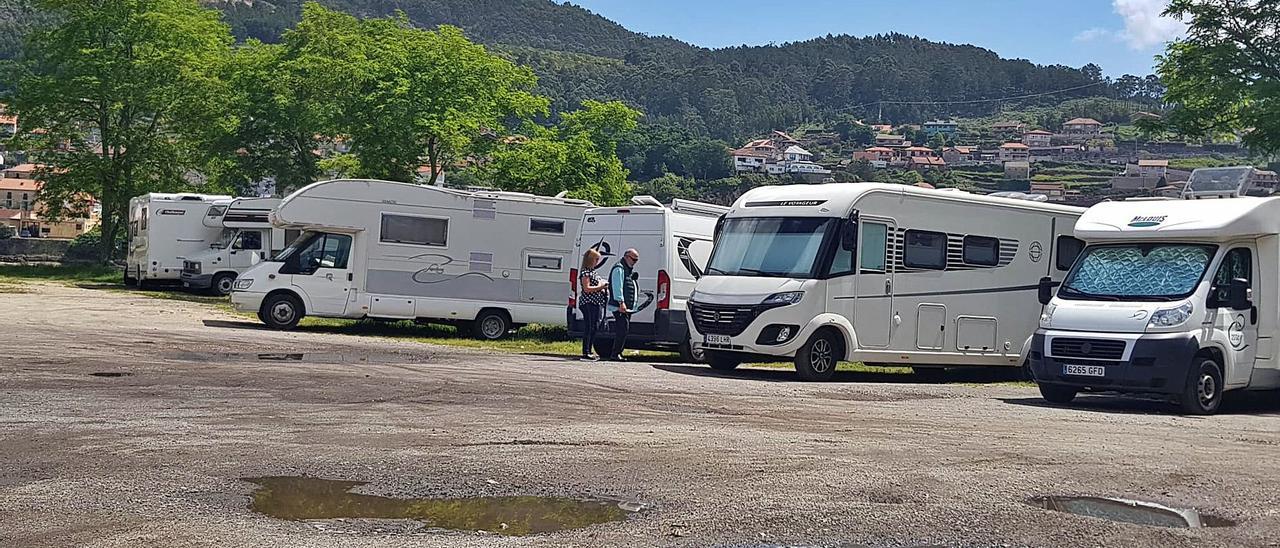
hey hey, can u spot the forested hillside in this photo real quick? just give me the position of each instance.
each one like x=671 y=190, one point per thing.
x=727 y=93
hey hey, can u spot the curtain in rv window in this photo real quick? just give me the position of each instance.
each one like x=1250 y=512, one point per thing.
x=924 y=249
x=981 y=251
x=874 y=247
x=403 y=229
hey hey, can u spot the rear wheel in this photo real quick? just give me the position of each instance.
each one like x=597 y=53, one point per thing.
x=281 y=311
x=1203 y=392
x=1056 y=393
x=492 y=325
x=689 y=354
x=817 y=359
x=722 y=362
x=222 y=284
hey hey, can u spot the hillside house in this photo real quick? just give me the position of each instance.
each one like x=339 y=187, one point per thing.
x=1014 y=152
x=1082 y=126
x=959 y=154
x=1017 y=171
x=886 y=140
x=795 y=153
x=1055 y=191
x=922 y=163
x=1147 y=168
x=21 y=209
x=8 y=124
x=881 y=128
x=748 y=160
x=1009 y=128
x=777 y=155
x=1037 y=138
x=877 y=156
x=944 y=127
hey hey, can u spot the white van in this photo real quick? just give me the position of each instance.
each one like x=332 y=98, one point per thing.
x=486 y=261
x=877 y=273
x=674 y=245
x=1172 y=297
x=247 y=238
x=163 y=230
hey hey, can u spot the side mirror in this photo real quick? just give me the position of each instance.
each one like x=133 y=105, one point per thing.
x=1047 y=285
x=1238 y=294
x=849 y=233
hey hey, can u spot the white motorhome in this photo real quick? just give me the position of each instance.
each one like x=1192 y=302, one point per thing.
x=163 y=230
x=486 y=261
x=878 y=273
x=247 y=238
x=1170 y=297
x=674 y=244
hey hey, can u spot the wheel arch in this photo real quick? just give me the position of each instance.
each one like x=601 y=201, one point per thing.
x=291 y=293
x=841 y=326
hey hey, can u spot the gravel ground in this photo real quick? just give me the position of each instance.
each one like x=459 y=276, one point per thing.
x=154 y=457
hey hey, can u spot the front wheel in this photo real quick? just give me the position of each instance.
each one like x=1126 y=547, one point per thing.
x=1055 y=393
x=492 y=325
x=817 y=359
x=689 y=354
x=1203 y=392
x=222 y=284
x=281 y=311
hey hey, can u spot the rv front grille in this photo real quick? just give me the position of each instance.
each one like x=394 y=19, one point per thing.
x=1090 y=349
x=720 y=319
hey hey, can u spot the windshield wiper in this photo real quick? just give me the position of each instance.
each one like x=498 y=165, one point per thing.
x=711 y=269
x=760 y=272
x=1087 y=295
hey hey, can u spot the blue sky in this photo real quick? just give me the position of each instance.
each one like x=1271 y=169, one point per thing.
x=1121 y=36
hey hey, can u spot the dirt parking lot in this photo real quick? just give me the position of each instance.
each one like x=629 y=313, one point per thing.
x=188 y=400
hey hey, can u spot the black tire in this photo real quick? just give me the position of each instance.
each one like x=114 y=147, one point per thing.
x=1203 y=392
x=222 y=284
x=491 y=325
x=281 y=311
x=816 y=361
x=689 y=354
x=1057 y=393
x=935 y=375
x=722 y=362
x=129 y=281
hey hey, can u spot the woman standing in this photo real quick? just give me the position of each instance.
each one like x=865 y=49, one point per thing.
x=594 y=294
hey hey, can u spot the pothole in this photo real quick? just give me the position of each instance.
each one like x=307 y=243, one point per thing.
x=280 y=357
x=1131 y=511
x=302 y=498
x=109 y=374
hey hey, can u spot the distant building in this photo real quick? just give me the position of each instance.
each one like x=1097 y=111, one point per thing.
x=1037 y=138
x=1014 y=152
x=877 y=156
x=777 y=155
x=1082 y=126
x=748 y=160
x=882 y=128
x=20 y=207
x=1010 y=127
x=944 y=127
x=1055 y=191
x=795 y=153
x=1017 y=171
x=959 y=154
x=886 y=140
x=922 y=163
x=1147 y=168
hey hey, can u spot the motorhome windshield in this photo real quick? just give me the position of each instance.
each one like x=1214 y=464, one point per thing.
x=775 y=247
x=1137 y=272
x=224 y=240
x=302 y=241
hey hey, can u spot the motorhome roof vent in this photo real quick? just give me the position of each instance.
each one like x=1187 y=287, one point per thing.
x=645 y=201
x=698 y=208
x=191 y=198
x=1224 y=182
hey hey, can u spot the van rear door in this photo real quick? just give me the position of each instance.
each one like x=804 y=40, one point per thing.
x=614 y=231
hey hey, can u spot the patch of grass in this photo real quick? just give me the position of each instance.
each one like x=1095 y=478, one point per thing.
x=63 y=273
x=11 y=287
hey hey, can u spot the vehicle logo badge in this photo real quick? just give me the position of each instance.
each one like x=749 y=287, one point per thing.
x=1035 y=252
x=1086 y=348
x=1147 y=221
x=715 y=317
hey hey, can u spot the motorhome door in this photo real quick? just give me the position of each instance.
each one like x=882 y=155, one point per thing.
x=324 y=273
x=873 y=311
x=644 y=232
x=1239 y=326
x=247 y=249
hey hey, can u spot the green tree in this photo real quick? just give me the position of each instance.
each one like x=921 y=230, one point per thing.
x=116 y=88
x=1224 y=77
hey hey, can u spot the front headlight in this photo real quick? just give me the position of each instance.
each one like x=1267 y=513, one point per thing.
x=1047 y=315
x=243 y=283
x=783 y=299
x=1171 y=317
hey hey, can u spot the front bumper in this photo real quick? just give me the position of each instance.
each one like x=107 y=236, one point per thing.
x=247 y=301
x=196 y=281
x=1156 y=364
x=752 y=329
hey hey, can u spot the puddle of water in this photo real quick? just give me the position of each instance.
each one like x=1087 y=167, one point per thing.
x=300 y=498
x=280 y=357
x=1130 y=511
x=110 y=374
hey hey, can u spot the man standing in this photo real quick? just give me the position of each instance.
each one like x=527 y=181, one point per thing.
x=622 y=299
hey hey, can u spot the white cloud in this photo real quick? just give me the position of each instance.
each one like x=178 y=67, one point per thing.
x=1144 y=26
x=1094 y=34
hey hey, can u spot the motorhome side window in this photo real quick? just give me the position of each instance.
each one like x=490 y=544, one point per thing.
x=981 y=251
x=1238 y=263
x=326 y=251
x=924 y=249
x=873 y=247
x=251 y=240
x=546 y=226
x=1068 y=251
x=144 y=218
x=403 y=229
x=544 y=262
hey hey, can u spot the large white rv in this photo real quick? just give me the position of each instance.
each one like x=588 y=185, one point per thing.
x=247 y=238
x=1176 y=298
x=674 y=245
x=487 y=261
x=877 y=273
x=163 y=230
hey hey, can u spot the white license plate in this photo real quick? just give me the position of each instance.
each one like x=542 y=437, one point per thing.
x=1084 y=370
x=722 y=340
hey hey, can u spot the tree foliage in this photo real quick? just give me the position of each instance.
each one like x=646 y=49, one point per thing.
x=1225 y=75
x=115 y=88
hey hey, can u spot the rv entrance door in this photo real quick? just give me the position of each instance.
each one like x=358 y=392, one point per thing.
x=322 y=273
x=872 y=313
